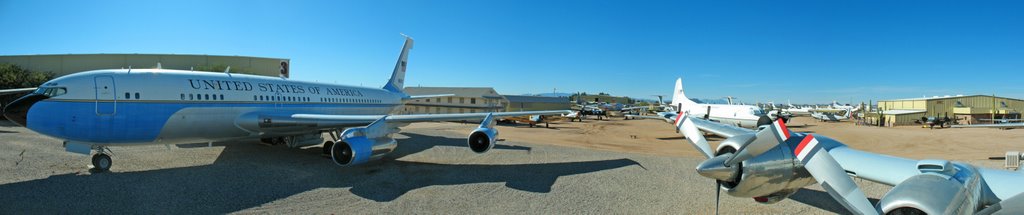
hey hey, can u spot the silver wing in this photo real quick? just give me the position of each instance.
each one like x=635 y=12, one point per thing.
x=284 y=123
x=19 y=90
x=832 y=164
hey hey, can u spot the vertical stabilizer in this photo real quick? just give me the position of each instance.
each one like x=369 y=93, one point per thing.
x=678 y=97
x=397 y=81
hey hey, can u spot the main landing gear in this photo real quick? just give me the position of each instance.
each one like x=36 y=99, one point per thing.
x=101 y=162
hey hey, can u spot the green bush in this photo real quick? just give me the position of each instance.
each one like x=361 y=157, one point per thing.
x=13 y=77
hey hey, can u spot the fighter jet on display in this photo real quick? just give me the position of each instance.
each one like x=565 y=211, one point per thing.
x=773 y=162
x=94 y=110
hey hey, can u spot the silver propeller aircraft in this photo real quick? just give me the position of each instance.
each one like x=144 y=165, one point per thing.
x=771 y=163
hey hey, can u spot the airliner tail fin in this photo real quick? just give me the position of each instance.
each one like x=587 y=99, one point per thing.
x=397 y=81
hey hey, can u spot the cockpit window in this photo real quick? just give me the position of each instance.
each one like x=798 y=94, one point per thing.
x=52 y=91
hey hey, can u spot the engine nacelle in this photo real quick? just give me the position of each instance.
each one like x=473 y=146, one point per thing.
x=769 y=177
x=942 y=188
x=482 y=140
x=358 y=149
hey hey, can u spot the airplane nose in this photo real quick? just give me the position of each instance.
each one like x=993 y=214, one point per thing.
x=715 y=168
x=17 y=111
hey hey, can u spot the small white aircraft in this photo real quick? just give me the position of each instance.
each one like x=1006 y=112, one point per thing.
x=95 y=110
x=738 y=115
x=771 y=163
x=798 y=110
x=836 y=107
x=832 y=117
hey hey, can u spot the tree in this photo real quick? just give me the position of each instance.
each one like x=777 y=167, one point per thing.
x=13 y=76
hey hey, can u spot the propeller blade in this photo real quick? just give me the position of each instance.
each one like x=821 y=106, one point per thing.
x=718 y=195
x=693 y=135
x=765 y=139
x=827 y=171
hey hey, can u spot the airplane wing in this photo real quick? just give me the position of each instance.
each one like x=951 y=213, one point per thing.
x=19 y=90
x=276 y=122
x=1001 y=125
x=428 y=96
x=632 y=116
x=722 y=130
x=635 y=108
x=424 y=117
x=719 y=129
x=1012 y=205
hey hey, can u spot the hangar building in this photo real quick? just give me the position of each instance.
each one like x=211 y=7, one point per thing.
x=63 y=64
x=466 y=100
x=532 y=103
x=477 y=100
x=970 y=109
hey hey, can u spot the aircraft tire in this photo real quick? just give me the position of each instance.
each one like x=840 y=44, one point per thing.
x=101 y=162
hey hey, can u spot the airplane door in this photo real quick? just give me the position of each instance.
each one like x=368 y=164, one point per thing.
x=106 y=99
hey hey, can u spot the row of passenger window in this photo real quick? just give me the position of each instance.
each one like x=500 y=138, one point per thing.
x=199 y=96
x=280 y=98
x=345 y=100
x=220 y=97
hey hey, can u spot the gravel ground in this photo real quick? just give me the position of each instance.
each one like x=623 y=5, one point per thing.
x=432 y=172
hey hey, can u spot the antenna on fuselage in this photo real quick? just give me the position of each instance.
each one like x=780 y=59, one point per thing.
x=227 y=70
x=158 y=66
x=129 y=68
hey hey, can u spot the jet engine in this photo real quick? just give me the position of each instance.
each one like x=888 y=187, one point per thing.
x=942 y=188
x=768 y=178
x=362 y=144
x=360 y=149
x=482 y=139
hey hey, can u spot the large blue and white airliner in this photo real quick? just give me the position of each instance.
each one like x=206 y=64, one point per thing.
x=94 y=110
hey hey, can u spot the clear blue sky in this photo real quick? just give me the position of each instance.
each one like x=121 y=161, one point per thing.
x=806 y=51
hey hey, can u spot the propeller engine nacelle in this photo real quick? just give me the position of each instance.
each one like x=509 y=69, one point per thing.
x=768 y=178
x=940 y=189
x=355 y=148
x=482 y=140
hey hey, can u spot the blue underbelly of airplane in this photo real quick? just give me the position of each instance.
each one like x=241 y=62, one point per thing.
x=133 y=122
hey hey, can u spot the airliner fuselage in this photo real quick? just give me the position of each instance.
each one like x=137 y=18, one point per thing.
x=154 y=106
